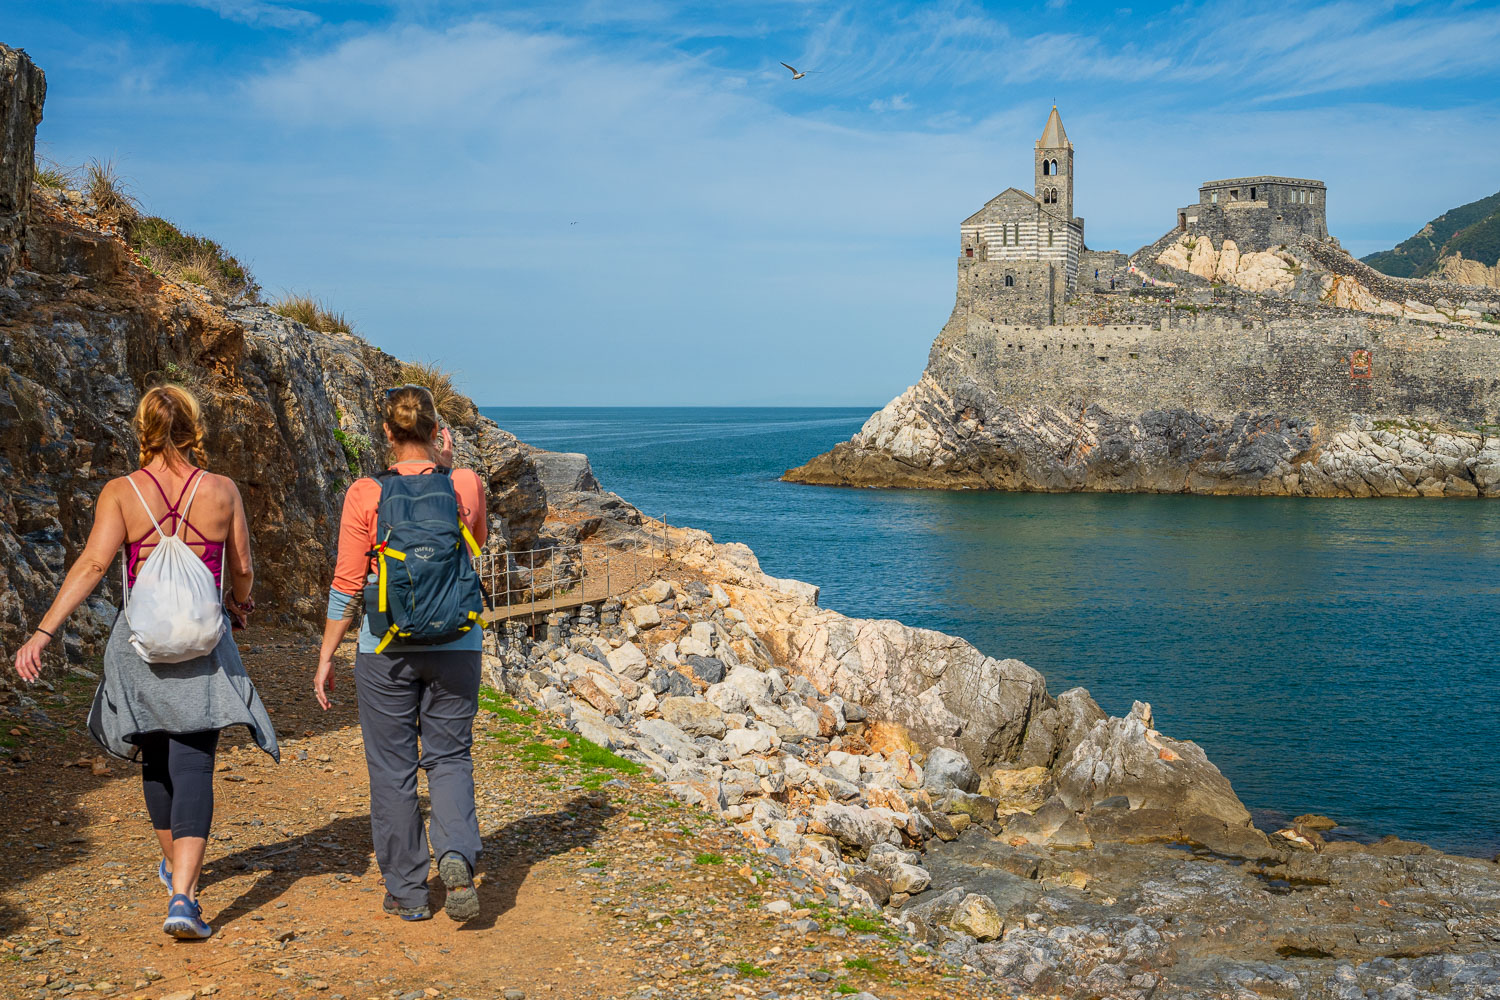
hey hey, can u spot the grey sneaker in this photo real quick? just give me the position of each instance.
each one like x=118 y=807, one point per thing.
x=395 y=909
x=463 y=901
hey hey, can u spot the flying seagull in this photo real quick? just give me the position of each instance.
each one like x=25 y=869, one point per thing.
x=795 y=74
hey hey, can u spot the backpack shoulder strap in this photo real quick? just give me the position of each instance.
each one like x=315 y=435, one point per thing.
x=182 y=515
x=141 y=497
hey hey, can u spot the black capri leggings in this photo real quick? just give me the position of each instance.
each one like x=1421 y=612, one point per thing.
x=178 y=778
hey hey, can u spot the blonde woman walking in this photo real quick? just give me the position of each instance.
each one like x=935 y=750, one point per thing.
x=173 y=679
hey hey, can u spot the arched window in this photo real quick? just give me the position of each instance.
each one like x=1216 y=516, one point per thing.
x=1009 y=281
x=1005 y=236
x=1054 y=166
x=1049 y=237
x=1046 y=167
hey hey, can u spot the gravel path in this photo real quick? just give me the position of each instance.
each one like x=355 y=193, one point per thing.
x=595 y=883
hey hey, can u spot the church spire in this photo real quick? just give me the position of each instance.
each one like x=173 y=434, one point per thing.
x=1053 y=136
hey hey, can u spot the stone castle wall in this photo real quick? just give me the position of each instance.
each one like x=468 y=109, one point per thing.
x=1217 y=365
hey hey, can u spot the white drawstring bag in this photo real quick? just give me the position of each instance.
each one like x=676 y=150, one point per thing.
x=175 y=612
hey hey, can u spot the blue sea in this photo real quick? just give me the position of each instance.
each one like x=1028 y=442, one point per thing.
x=1333 y=656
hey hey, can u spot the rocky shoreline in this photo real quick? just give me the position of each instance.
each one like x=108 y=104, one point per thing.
x=899 y=771
x=929 y=438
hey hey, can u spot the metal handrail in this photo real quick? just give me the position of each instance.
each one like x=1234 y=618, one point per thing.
x=571 y=575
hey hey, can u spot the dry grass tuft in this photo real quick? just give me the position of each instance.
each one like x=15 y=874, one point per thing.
x=452 y=405
x=112 y=200
x=312 y=314
x=47 y=174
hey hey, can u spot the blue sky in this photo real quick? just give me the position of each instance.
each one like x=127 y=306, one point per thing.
x=632 y=203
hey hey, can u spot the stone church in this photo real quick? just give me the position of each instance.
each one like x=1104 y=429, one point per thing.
x=1021 y=251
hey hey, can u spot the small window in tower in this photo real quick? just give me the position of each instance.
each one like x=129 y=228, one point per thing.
x=1252 y=194
x=1213 y=198
x=968 y=251
x=1049 y=237
x=1234 y=194
x=1054 y=166
x=1009 y=281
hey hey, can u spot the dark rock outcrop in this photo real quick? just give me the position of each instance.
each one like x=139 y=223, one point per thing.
x=23 y=88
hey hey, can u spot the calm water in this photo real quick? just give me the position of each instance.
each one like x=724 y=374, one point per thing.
x=1332 y=656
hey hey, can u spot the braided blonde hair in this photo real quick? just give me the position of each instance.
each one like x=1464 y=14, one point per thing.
x=169 y=422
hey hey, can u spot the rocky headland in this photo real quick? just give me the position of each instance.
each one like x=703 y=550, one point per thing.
x=1194 y=366
x=935 y=796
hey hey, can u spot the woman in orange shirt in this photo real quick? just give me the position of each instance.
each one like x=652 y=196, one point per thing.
x=405 y=690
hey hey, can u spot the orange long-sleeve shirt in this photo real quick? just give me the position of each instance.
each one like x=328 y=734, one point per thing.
x=362 y=507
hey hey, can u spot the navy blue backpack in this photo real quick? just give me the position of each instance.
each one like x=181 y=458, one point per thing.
x=427 y=590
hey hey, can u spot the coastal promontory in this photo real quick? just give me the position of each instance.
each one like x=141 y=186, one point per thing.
x=1244 y=351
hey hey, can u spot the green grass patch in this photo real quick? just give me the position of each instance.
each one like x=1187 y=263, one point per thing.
x=844 y=989
x=709 y=859
x=750 y=970
x=172 y=253
x=861 y=963
x=864 y=925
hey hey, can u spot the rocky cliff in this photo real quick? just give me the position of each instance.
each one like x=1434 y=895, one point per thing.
x=86 y=326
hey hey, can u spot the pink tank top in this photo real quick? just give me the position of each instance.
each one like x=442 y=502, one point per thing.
x=212 y=554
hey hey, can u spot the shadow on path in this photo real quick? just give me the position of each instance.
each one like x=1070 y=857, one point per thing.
x=342 y=846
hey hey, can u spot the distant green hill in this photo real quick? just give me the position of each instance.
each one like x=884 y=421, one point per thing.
x=1472 y=230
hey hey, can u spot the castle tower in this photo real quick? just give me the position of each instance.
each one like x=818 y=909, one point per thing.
x=1054 y=169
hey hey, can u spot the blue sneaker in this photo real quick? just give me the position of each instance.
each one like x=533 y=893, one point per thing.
x=164 y=875
x=185 y=920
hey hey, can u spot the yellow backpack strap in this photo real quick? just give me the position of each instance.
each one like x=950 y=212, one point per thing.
x=390 y=634
x=469 y=537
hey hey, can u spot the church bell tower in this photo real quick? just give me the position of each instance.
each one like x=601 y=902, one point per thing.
x=1054 y=169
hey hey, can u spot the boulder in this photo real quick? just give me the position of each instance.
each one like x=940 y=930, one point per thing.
x=1018 y=789
x=644 y=616
x=743 y=742
x=1054 y=824
x=947 y=769
x=564 y=472
x=653 y=593
x=1129 y=757
x=727 y=698
x=976 y=916
x=706 y=668
x=752 y=683
x=692 y=716
x=629 y=661
x=670 y=737
x=854 y=827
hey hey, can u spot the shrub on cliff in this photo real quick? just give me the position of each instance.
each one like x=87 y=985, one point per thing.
x=452 y=405
x=312 y=314
x=170 y=252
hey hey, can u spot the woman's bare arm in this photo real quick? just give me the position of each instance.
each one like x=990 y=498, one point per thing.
x=105 y=539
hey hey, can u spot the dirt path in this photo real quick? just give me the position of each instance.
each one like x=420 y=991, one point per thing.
x=594 y=883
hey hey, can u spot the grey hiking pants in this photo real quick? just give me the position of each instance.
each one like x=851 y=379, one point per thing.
x=401 y=696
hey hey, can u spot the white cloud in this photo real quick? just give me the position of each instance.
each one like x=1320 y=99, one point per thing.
x=896 y=102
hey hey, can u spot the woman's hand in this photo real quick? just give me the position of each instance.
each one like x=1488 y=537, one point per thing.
x=443 y=449
x=323 y=681
x=29 y=657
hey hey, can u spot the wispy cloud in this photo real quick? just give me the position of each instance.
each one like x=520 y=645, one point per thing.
x=266 y=13
x=424 y=171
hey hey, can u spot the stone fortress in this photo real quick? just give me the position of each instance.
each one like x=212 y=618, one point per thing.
x=1228 y=355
